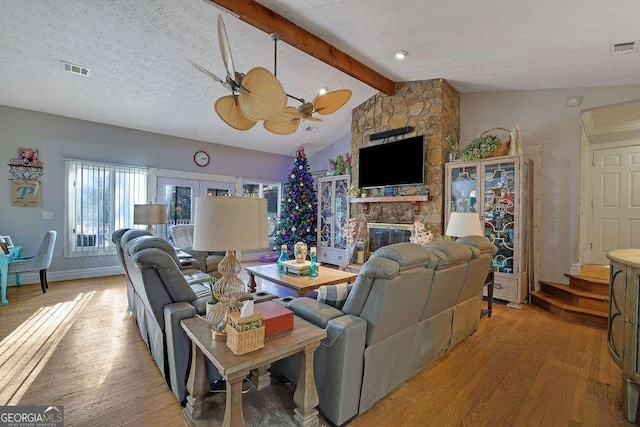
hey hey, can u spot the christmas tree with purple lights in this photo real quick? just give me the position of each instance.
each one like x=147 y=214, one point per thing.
x=298 y=210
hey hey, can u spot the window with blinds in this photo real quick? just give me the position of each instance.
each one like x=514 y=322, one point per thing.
x=100 y=200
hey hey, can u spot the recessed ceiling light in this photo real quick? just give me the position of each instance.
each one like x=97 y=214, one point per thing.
x=311 y=128
x=401 y=54
x=322 y=90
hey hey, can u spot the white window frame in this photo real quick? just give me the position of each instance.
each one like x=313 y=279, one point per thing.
x=261 y=183
x=71 y=249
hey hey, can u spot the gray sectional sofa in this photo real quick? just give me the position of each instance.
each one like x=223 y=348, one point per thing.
x=160 y=296
x=409 y=305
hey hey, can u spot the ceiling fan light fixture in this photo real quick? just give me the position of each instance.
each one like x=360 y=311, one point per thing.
x=401 y=54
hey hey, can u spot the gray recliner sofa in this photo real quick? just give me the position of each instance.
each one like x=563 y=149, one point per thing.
x=159 y=298
x=409 y=305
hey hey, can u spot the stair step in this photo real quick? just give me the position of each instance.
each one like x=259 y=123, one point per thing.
x=589 y=284
x=570 y=312
x=575 y=297
x=595 y=270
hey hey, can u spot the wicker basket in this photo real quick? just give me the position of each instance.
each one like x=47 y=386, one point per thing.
x=502 y=149
x=245 y=334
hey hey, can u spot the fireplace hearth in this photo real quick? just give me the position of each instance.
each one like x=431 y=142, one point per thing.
x=383 y=234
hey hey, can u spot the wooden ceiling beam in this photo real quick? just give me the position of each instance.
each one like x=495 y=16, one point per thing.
x=264 y=19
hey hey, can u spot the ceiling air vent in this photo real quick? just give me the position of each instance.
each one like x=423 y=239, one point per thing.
x=73 y=68
x=624 y=48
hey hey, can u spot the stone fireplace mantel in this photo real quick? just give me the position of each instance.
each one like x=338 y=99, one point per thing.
x=415 y=200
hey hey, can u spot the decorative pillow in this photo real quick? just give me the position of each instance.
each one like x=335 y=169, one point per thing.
x=334 y=295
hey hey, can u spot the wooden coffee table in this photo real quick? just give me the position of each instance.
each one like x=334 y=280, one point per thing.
x=302 y=284
x=304 y=338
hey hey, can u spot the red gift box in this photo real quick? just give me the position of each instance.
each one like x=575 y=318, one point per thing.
x=276 y=317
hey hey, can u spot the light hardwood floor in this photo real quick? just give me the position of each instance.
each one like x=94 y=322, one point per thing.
x=76 y=346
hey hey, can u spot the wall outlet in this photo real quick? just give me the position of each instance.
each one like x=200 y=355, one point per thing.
x=47 y=215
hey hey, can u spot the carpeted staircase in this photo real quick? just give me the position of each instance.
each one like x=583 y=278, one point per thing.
x=585 y=299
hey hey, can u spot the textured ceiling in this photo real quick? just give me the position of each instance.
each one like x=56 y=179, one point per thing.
x=140 y=78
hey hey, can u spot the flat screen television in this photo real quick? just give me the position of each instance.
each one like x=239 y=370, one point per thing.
x=394 y=163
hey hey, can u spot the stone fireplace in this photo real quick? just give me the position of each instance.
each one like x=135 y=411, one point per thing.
x=432 y=108
x=383 y=234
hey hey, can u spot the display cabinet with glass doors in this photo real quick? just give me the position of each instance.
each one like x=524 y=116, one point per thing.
x=333 y=213
x=498 y=189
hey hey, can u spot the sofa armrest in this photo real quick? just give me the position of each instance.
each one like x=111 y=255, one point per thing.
x=338 y=367
x=199 y=256
x=190 y=264
x=178 y=346
x=313 y=311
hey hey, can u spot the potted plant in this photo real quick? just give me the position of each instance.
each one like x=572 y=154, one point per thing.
x=341 y=164
x=454 y=151
x=481 y=147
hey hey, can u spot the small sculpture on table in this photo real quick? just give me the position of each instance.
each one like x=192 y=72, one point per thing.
x=300 y=252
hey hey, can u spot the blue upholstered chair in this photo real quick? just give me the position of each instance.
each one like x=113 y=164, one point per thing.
x=41 y=261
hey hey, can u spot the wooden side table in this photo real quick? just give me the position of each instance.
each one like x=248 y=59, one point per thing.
x=488 y=282
x=304 y=338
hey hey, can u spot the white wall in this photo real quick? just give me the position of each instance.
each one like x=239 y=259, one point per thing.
x=320 y=160
x=59 y=137
x=546 y=121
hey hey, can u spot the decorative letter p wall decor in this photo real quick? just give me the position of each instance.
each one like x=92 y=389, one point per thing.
x=27 y=170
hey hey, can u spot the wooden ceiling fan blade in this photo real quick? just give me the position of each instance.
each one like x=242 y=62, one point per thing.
x=265 y=96
x=205 y=71
x=229 y=111
x=281 y=127
x=293 y=113
x=225 y=50
x=331 y=102
x=312 y=119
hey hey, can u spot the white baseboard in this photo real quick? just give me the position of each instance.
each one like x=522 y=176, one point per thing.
x=575 y=269
x=56 y=276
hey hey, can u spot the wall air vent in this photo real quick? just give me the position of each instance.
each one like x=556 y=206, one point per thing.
x=73 y=68
x=624 y=48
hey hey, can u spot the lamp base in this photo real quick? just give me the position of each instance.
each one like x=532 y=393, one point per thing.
x=150 y=230
x=219 y=336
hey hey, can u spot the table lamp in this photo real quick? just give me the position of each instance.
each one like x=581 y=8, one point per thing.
x=464 y=224
x=229 y=224
x=150 y=214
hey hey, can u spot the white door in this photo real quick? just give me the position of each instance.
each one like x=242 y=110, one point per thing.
x=616 y=201
x=180 y=194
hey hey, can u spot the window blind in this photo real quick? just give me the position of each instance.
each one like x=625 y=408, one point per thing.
x=100 y=200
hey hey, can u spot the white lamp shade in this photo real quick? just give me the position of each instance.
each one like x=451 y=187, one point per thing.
x=230 y=223
x=150 y=214
x=464 y=224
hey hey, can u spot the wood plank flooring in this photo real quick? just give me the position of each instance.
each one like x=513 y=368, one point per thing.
x=76 y=346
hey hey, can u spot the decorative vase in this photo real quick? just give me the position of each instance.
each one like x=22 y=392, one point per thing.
x=300 y=251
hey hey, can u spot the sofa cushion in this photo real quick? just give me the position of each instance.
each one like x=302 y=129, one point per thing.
x=314 y=311
x=144 y=242
x=480 y=242
x=377 y=267
x=407 y=255
x=449 y=253
x=171 y=277
x=334 y=295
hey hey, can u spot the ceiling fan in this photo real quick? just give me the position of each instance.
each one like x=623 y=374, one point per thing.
x=289 y=119
x=257 y=95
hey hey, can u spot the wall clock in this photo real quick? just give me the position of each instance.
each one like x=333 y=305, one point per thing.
x=201 y=158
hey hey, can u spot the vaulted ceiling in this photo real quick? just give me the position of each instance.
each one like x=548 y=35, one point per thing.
x=137 y=52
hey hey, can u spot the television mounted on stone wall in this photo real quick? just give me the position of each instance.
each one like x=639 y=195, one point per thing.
x=400 y=162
